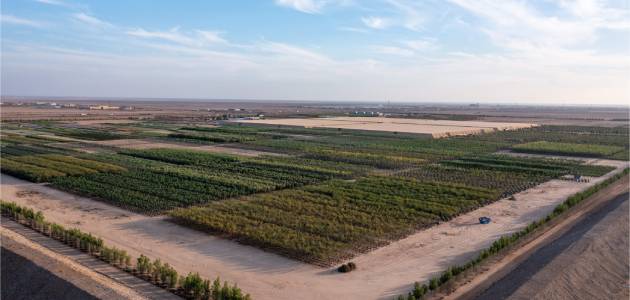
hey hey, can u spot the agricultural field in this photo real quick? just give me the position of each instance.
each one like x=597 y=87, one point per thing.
x=162 y=179
x=331 y=194
x=432 y=128
x=590 y=150
x=325 y=223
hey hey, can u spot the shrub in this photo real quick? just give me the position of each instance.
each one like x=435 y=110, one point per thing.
x=345 y=268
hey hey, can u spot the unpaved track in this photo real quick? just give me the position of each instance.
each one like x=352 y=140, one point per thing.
x=504 y=267
x=588 y=262
x=46 y=274
x=23 y=279
x=381 y=274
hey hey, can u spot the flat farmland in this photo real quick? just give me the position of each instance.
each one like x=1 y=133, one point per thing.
x=278 y=224
x=435 y=128
x=382 y=273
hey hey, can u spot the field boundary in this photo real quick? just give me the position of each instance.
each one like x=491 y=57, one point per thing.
x=479 y=279
x=160 y=281
x=142 y=287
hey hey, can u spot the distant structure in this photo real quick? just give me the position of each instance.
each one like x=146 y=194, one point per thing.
x=104 y=107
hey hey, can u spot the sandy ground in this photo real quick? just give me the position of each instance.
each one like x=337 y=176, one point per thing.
x=594 y=267
x=381 y=274
x=82 y=277
x=436 y=128
x=504 y=274
x=152 y=144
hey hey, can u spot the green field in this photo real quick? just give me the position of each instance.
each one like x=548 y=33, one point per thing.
x=330 y=194
x=325 y=223
x=590 y=150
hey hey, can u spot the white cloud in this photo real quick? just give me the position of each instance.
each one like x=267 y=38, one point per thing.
x=211 y=36
x=353 y=29
x=92 y=21
x=305 y=6
x=53 y=2
x=512 y=23
x=13 y=20
x=196 y=38
x=375 y=22
x=172 y=36
x=294 y=52
x=421 y=45
x=412 y=18
x=393 y=50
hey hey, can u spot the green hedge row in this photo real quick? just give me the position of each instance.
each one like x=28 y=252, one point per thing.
x=191 y=286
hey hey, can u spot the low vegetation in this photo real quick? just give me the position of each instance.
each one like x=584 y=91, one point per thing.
x=334 y=193
x=191 y=286
x=163 y=179
x=85 y=133
x=545 y=147
x=325 y=223
x=345 y=268
x=40 y=164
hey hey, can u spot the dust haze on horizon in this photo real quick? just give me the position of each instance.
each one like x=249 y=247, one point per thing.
x=535 y=52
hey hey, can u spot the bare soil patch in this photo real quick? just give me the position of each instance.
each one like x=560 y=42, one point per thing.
x=53 y=274
x=594 y=267
x=435 y=128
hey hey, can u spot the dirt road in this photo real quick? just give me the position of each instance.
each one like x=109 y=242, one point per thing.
x=590 y=261
x=30 y=271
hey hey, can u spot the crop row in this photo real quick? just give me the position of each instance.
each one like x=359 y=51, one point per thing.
x=529 y=166
x=562 y=134
x=85 y=133
x=191 y=286
x=324 y=223
x=545 y=147
x=212 y=137
x=507 y=182
x=159 y=180
x=40 y=168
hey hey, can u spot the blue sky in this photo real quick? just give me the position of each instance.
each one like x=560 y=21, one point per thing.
x=510 y=51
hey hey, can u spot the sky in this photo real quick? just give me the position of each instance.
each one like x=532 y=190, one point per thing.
x=505 y=51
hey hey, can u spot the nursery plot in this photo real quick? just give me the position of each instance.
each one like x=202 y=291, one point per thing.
x=325 y=223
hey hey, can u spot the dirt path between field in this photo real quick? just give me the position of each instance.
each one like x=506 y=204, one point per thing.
x=593 y=267
x=73 y=273
x=507 y=264
x=381 y=274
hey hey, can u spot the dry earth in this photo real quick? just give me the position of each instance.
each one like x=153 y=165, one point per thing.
x=381 y=274
x=73 y=273
x=595 y=267
x=435 y=128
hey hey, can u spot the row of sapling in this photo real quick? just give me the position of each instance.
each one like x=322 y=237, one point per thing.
x=191 y=286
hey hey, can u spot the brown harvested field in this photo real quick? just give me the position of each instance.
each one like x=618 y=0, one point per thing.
x=435 y=128
x=153 y=144
x=381 y=274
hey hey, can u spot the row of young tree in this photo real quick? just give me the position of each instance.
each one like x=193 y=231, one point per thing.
x=326 y=223
x=191 y=286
